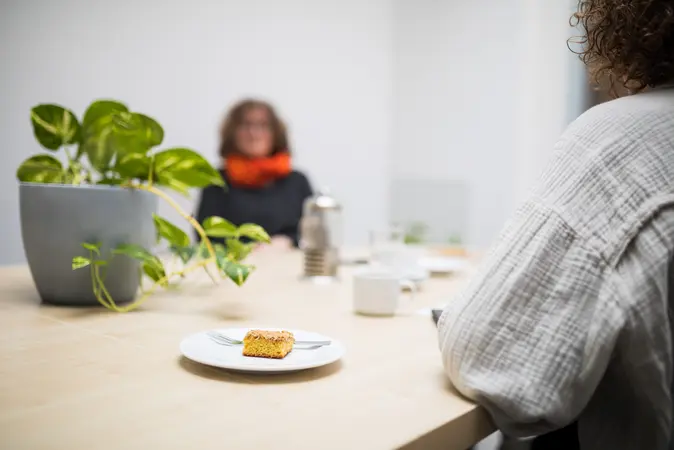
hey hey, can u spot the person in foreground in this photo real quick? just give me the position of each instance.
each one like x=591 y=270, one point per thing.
x=567 y=325
x=261 y=188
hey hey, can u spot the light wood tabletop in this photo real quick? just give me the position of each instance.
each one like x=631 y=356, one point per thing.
x=82 y=379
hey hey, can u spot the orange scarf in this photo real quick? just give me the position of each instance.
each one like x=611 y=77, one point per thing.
x=257 y=172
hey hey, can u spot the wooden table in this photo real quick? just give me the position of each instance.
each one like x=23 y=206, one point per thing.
x=82 y=379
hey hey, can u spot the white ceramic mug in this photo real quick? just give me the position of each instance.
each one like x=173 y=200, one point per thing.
x=378 y=293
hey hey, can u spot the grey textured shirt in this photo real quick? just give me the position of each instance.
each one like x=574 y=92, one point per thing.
x=568 y=316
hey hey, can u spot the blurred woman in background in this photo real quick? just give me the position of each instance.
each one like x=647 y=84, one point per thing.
x=261 y=188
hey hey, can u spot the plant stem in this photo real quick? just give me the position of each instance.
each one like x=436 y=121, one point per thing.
x=71 y=168
x=97 y=282
x=197 y=226
x=151 y=172
x=101 y=291
x=160 y=282
x=210 y=275
x=106 y=301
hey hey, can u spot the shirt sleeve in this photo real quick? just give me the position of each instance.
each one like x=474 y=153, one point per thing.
x=532 y=335
x=210 y=204
x=304 y=191
x=293 y=234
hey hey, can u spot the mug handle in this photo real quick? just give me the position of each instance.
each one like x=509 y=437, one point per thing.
x=412 y=290
x=411 y=286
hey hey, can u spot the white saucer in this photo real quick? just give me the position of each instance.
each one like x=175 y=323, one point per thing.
x=200 y=348
x=416 y=275
x=443 y=264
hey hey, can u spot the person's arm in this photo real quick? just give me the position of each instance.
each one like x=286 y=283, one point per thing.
x=211 y=203
x=304 y=191
x=531 y=337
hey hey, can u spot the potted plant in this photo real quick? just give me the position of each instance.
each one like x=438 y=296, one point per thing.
x=415 y=233
x=89 y=223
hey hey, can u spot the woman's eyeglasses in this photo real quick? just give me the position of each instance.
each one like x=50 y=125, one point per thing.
x=255 y=126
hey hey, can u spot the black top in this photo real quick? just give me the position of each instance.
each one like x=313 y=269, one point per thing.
x=276 y=207
x=562 y=439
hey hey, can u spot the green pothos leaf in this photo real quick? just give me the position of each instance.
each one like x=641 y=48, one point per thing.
x=155 y=270
x=218 y=227
x=254 y=232
x=237 y=250
x=236 y=272
x=101 y=108
x=150 y=264
x=113 y=135
x=220 y=255
x=184 y=168
x=136 y=252
x=41 y=169
x=80 y=261
x=154 y=133
x=94 y=247
x=133 y=165
x=174 y=235
x=54 y=126
x=201 y=250
x=184 y=253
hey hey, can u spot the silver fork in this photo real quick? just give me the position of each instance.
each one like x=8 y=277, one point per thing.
x=222 y=339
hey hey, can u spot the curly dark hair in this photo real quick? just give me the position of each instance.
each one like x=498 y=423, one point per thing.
x=236 y=115
x=630 y=43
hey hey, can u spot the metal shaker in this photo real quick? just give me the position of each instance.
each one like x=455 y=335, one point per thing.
x=321 y=236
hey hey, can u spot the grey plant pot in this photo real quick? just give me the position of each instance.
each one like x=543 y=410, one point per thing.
x=57 y=219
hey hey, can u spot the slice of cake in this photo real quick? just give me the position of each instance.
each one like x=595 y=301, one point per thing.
x=268 y=344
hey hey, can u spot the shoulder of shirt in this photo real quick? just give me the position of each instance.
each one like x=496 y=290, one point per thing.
x=626 y=110
x=294 y=176
x=297 y=176
x=613 y=169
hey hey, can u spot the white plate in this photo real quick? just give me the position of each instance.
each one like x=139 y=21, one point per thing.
x=200 y=348
x=443 y=264
x=416 y=275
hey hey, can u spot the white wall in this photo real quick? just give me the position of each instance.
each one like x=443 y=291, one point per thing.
x=455 y=76
x=481 y=96
x=374 y=90
x=579 y=88
x=548 y=87
x=326 y=64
